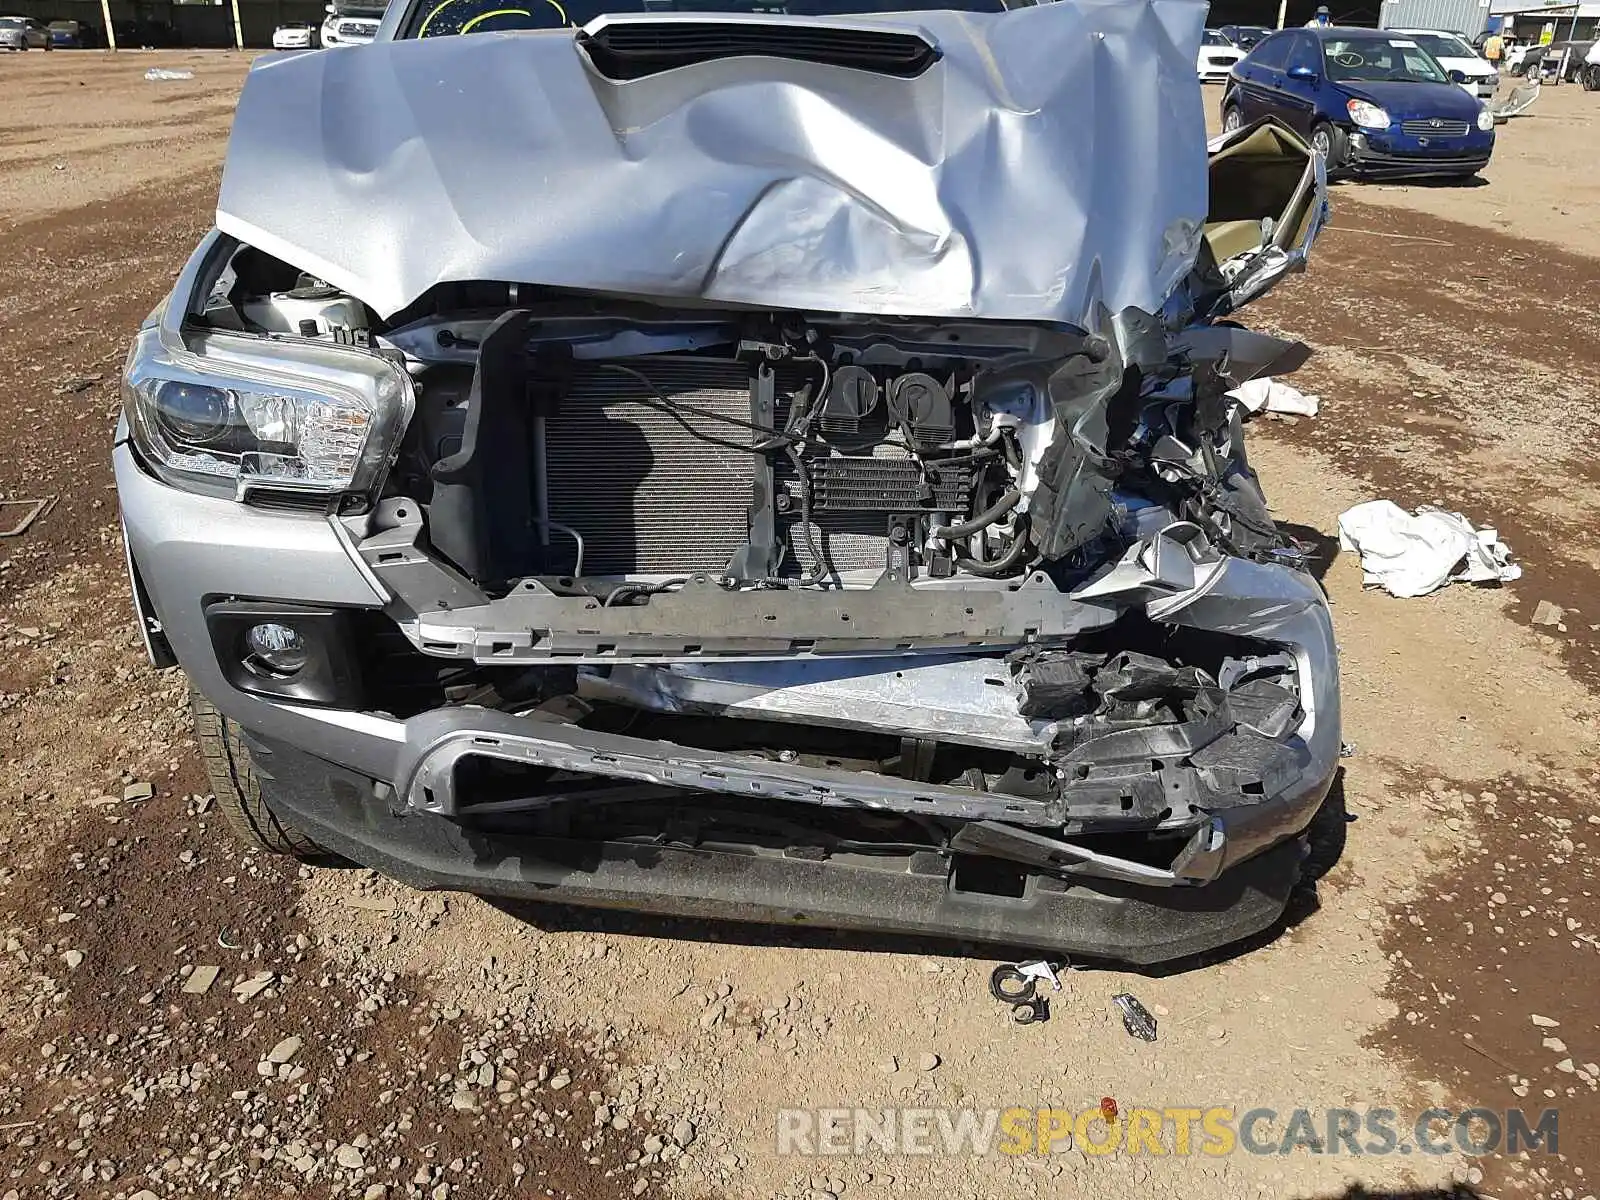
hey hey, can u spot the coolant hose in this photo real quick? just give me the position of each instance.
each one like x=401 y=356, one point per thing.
x=1002 y=506
x=1005 y=563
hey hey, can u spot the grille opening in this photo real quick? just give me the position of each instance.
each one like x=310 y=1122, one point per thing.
x=625 y=51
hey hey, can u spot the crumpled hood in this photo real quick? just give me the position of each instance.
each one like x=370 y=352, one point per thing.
x=1052 y=158
x=1407 y=100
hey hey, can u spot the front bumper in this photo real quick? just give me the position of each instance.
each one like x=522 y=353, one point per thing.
x=1097 y=918
x=1375 y=157
x=383 y=791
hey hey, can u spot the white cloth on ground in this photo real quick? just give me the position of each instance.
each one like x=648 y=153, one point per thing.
x=1412 y=554
x=1269 y=395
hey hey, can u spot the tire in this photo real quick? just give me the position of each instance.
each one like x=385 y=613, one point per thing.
x=238 y=791
x=1232 y=118
x=1591 y=77
x=1330 y=139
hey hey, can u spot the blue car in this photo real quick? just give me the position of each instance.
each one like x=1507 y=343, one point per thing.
x=1375 y=103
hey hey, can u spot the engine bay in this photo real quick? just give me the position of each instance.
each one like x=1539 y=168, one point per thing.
x=577 y=440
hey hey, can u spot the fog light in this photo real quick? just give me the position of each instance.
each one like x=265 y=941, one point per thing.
x=277 y=647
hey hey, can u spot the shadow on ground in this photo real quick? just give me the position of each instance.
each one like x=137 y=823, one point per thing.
x=1320 y=548
x=1460 y=1191
x=1465 y=182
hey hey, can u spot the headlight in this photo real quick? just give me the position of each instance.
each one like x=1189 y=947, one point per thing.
x=1485 y=120
x=1368 y=116
x=243 y=413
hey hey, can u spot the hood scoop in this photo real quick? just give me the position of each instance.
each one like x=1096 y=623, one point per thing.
x=626 y=49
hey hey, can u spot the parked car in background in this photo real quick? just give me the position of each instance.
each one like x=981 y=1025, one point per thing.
x=69 y=35
x=1216 y=57
x=23 y=33
x=295 y=35
x=1451 y=51
x=1374 y=102
x=1589 y=72
x=351 y=24
x=1244 y=36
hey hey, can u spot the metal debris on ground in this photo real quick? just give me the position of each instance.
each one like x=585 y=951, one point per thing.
x=1136 y=1018
x=1017 y=983
x=31 y=511
x=1518 y=101
x=163 y=74
x=1412 y=554
x=1347 y=749
x=1032 y=1011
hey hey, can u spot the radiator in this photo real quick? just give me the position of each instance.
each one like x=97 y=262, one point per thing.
x=647 y=495
x=651 y=498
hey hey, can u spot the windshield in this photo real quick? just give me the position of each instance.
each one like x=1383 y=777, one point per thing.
x=1213 y=38
x=437 y=18
x=1443 y=45
x=1380 y=60
x=12 y=23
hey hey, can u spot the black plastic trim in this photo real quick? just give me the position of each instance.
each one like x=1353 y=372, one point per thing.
x=331 y=675
x=627 y=50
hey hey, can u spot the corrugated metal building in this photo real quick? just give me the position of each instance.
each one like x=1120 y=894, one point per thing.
x=1466 y=17
x=1566 y=22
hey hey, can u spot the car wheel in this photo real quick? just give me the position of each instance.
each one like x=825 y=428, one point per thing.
x=1331 y=142
x=238 y=791
x=1591 y=77
x=1232 y=118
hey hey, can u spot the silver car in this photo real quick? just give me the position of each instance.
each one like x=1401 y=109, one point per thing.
x=23 y=33
x=750 y=465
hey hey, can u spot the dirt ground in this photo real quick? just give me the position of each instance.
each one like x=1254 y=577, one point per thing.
x=180 y=1018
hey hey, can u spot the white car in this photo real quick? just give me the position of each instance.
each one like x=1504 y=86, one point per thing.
x=1454 y=54
x=23 y=33
x=296 y=35
x=350 y=25
x=1216 y=58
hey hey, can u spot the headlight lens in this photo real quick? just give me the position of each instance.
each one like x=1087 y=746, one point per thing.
x=1368 y=116
x=243 y=413
x=1485 y=120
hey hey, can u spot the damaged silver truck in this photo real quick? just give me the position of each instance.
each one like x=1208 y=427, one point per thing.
x=772 y=464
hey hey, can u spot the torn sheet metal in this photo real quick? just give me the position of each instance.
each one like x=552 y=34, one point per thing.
x=1052 y=158
x=1413 y=554
x=971 y=701
x=1516 y=102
